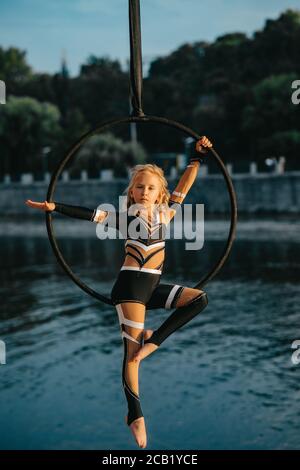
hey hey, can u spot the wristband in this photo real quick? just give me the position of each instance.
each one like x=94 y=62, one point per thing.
x=196 y=159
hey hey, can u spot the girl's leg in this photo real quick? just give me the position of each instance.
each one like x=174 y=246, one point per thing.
x=190 y=302
x=131 y=319
x=186 y=296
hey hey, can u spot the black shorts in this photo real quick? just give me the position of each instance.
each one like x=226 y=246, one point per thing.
x=144 y=288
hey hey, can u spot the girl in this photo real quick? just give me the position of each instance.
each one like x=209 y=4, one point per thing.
x=137 y=287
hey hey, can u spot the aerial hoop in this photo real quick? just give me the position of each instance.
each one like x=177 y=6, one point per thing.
x=141 y=119
x=138 y=115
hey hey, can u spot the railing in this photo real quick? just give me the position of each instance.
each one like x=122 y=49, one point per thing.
x=108 y=175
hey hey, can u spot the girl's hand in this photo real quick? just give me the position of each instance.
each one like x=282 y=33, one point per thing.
x=202 y=144
x=44 y=206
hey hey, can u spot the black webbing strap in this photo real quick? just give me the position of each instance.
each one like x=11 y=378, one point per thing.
x=136 y=69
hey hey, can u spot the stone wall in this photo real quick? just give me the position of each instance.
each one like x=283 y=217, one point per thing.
x=260 y=193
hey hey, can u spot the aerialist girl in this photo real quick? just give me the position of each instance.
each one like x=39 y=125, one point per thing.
x=150 y=208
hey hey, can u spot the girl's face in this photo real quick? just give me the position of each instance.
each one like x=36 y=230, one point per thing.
x=146 y=189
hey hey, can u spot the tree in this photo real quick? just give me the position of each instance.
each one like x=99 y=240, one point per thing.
x=283 y=143
x=235 y=89
x=276 y=47
x=26 y=127
x=14 y=70
x=271 y=114
x=106 y=151
x=101 y=91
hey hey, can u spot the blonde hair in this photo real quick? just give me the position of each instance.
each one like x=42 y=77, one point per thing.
x=164 y=196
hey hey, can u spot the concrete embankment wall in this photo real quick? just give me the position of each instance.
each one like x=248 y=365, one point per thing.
x=256 y=194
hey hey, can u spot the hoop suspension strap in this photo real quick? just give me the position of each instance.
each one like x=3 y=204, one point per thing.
x=136 y=70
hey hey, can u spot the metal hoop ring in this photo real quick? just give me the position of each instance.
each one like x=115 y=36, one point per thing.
x=104 y=126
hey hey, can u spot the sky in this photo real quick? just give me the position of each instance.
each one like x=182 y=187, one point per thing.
x=51 y=29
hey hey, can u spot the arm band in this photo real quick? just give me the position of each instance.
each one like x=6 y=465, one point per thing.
x=173 y=204
x=197 y=159
x=75 y=211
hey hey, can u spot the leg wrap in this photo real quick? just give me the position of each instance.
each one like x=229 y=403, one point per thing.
x=178 y=318
x=133 y=400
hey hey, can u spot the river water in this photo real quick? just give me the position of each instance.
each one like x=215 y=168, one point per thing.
x=224 y=381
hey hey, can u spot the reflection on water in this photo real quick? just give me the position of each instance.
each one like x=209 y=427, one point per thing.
x=225 y=381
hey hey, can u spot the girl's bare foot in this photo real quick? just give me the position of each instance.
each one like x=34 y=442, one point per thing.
x=145 y=350
x=138 y=429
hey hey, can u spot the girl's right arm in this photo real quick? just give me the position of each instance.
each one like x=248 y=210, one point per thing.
x=93 y=215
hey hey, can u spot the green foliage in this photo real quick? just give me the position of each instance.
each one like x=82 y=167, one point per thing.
x=104 y=151
x=74 y=126
x=272 y=113
x=26 y=127
x=236 y=90
x=286 y=143
x=101 y=90
x=13 y=67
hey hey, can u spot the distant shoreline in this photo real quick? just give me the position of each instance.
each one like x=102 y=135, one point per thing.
x=282 y=228
x=258 y=195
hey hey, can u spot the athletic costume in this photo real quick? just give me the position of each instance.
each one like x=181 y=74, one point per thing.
x=140 y=283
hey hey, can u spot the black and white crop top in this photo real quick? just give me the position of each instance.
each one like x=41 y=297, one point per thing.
x=145 y=240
